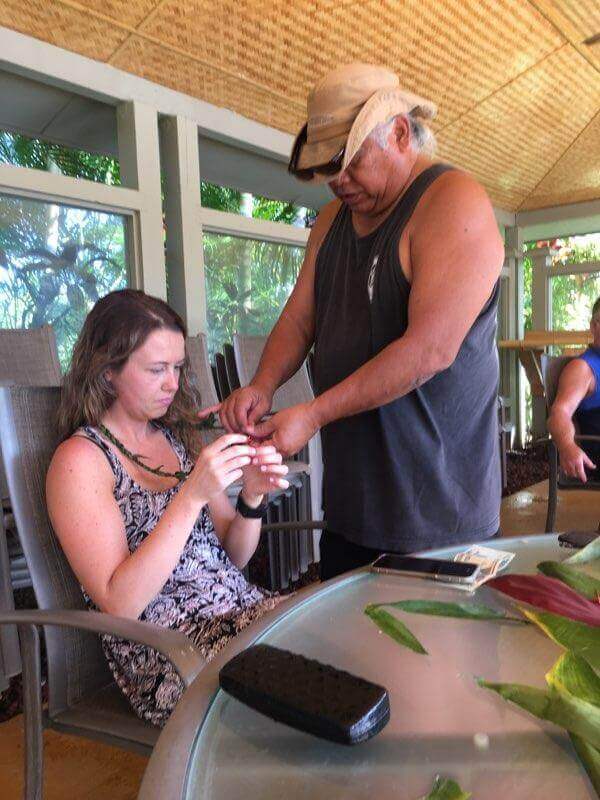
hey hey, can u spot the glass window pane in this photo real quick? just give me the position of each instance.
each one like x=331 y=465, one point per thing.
x=247 y=284
x=572 y=299
x=23 y=151
x=225 y=198
x=55 y=262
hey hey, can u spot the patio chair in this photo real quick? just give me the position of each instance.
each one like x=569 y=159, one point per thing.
x=28 y=357
x=551 y=367
x=83 y=698
x=233 y=378
x=298 y=389
x=222 y=376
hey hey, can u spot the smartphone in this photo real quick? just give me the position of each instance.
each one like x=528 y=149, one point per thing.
x=576 y=539
x=436 y=568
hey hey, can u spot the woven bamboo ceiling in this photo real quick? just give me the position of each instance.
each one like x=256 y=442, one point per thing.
x=517 y=82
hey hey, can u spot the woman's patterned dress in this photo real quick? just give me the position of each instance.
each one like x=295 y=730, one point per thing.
x=207 y=598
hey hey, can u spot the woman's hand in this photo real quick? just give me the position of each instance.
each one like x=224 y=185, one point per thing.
x=265 y=473
x=219 y=465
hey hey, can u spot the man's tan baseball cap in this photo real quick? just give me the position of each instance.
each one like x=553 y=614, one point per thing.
x=343 y=109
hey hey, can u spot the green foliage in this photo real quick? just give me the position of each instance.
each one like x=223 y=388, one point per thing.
x=572 y=295
x=392 y=627
x=438 y=608
x=446 y=789
x=584 y=584
x=248 y=280
x=38 y=154
x=55 y=262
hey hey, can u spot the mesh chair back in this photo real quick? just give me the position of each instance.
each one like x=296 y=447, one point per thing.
x=76 y=664
x=551 y=367
x=231 y=367
x=248 y=350
x=223 y=380
x=198 y=354
x=29 y=357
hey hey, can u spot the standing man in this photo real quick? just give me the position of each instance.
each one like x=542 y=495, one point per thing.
x=398 y=295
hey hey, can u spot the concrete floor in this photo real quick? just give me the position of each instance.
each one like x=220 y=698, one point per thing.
x=78 y=768
x=525 y=512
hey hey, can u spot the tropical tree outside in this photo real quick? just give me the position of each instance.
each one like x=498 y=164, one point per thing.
x=56 y=260
x=248 y=280
x=572 y=295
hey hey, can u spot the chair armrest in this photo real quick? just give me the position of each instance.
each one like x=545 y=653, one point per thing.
x=582 y=437
x=302 y=525
x=173 y=645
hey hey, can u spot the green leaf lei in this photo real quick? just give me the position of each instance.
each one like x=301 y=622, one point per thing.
x=210 y=422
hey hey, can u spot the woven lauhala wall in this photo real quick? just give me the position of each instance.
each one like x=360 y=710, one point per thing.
x=517 y=86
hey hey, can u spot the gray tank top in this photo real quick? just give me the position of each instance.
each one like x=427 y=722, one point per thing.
x=424 y=470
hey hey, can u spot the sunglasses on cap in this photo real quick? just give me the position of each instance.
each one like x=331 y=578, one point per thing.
x=331 y=167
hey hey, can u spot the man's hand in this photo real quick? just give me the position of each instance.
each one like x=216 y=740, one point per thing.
x=289 y=430
x=573 y=462
x=244 y=408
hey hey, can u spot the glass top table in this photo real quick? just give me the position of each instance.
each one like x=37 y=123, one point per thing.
x=214 y=747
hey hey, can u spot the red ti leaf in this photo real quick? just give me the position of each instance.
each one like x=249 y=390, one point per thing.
x=548 y=594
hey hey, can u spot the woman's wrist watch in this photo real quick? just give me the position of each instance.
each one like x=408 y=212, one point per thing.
x=246 y=511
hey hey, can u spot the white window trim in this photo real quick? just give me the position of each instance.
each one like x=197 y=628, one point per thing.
x=48 y=186
x=225 y=222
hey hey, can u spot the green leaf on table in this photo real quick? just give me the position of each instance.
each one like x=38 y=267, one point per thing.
x=575 y=675
x=554 y=705
x=437 y=608
x=446 y=789
x=582 y=583
x=581 y=639
x=392 y=626
x=590 y=758
x=548 y=594
x=588 y=553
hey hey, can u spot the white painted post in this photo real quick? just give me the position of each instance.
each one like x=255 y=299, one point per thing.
x=185 y=257
x=541 y=301
x=139 y=157
x=514 y=263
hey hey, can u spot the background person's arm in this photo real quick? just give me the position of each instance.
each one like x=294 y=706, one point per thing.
x=456 y=258
x=576 y=382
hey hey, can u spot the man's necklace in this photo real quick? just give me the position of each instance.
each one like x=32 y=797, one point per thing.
x=208 y=422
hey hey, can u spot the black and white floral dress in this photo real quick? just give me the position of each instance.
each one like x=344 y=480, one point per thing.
x=207 y=598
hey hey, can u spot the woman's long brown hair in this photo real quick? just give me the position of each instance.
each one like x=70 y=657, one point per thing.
x=116 y=326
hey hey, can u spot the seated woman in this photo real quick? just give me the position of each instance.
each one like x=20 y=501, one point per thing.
x=140 y=507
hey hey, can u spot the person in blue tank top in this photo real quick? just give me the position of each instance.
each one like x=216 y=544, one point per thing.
x=577 y=408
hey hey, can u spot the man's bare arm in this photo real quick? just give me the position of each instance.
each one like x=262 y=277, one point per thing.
x=456 y=258
x=575 y=383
